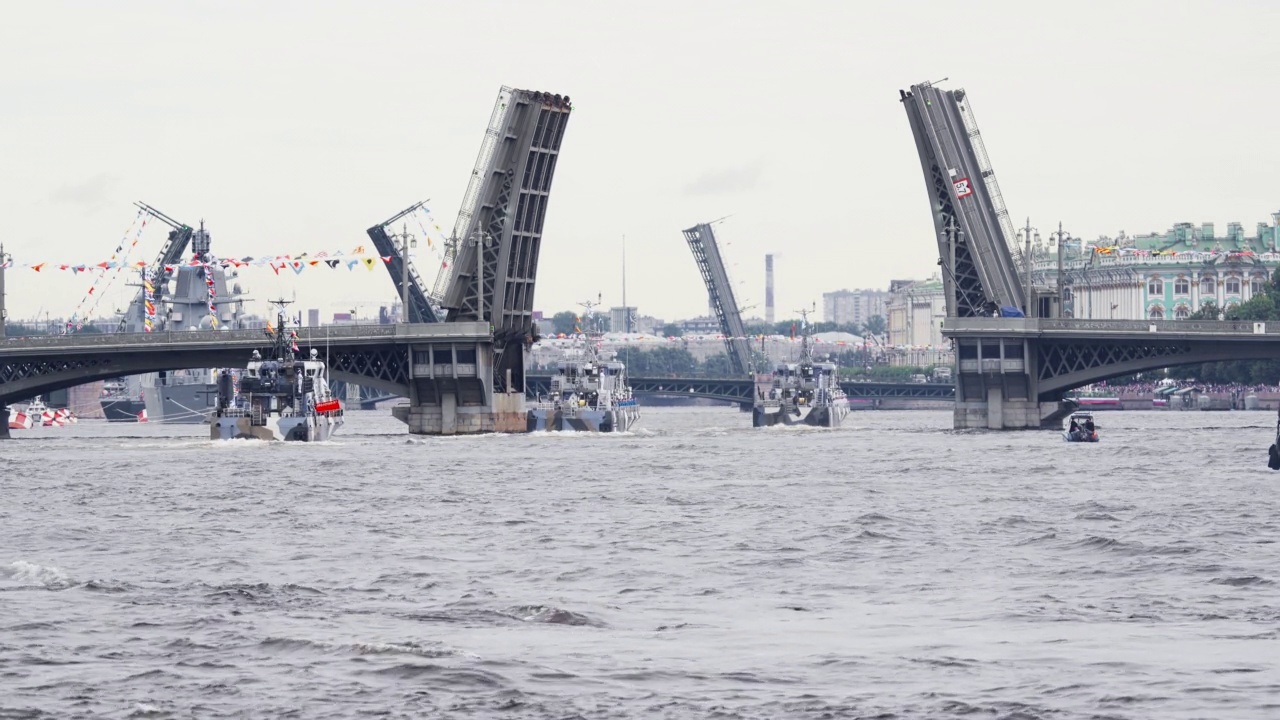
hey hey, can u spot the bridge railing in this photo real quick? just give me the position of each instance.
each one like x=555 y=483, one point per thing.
x=306 y=335
x=1063 y=325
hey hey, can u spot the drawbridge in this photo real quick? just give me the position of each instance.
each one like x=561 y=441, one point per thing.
x=976 y=239
x=1014 y=372
x=706 y=252
x=491 y=258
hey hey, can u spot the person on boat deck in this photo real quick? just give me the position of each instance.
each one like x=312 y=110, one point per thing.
x=1088 y=426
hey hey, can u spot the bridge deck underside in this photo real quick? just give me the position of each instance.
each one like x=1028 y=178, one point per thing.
x=968 y=213
x=505 y=227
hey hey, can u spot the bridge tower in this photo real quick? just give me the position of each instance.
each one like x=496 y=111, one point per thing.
x=706 y=252
x=490 y=269
x=997 y=378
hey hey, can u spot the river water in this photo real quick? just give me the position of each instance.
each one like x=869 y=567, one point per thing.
x=695 y=568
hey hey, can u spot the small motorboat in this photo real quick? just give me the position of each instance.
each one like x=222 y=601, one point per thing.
x=1080 y=428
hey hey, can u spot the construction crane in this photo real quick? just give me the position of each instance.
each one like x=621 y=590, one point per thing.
x=418 y=307
x=175 y=246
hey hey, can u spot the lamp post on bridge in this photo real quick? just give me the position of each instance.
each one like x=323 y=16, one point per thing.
x=480 y=239
x=4 y=312
x=405 y=241
x=1060 y=238
x=1026 y=234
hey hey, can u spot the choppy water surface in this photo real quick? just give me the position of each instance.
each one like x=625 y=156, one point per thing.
x=696 y=568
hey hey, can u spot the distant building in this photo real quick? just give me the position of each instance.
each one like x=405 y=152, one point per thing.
x=708 y=325
x=914 y=314
x=856 y=307
x=1161 y=276
x=618 y=317
x=313 y=317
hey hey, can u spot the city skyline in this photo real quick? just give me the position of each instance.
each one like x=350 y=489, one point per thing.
x=285 y=134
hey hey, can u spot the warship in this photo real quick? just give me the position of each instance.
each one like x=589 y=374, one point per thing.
x=121 y=402
x=278 y=398
x=803 y=393
x=179 y=396
x=589 y=392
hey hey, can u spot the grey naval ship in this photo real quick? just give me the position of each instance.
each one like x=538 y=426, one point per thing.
x=279 y=398
x=803 y=393
x=589 y=394
x=179 y=396
x=122 y=401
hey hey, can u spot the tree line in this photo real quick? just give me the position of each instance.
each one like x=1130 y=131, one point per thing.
x=569 y=322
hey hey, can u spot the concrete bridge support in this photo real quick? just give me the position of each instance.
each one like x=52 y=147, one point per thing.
x=451 y=392
x=997 y=387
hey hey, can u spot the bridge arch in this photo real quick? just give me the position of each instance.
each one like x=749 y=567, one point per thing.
x=1095 y=362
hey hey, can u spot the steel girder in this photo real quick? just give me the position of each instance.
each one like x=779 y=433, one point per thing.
x=26 y=376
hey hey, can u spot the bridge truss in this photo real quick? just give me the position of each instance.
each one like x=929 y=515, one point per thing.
x=495 y=246
x=706 y=252
x=976 y=240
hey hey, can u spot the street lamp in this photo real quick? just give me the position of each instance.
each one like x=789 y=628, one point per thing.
x=480 y=239
x=1026 y=234
x=406 y=241
x=4 y=313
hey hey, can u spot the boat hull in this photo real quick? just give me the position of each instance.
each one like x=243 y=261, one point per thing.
x=827 y=416
x=318 y=428
x=620 y=419
x=1069 y=437
x=191 y=404
x=122 y=409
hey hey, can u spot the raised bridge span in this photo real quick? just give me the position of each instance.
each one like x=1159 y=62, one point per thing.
x=1013 y=371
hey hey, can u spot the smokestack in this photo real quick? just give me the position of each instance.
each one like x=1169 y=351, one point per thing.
x=768 y=289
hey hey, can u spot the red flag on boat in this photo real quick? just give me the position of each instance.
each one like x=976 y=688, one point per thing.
x=328 y=406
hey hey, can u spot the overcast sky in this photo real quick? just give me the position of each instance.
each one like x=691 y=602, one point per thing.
x=292 y=126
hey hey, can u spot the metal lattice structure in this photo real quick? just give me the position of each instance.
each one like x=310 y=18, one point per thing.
x=370 y=356
x=975 y=236
x=498 y=237
x=706 y=252
x=419 y=309
x=379 y=368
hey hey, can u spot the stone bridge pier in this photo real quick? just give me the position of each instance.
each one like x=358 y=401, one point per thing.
x=451 y=391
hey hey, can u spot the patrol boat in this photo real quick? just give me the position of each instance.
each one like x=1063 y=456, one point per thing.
x=803 y=393
x=1080 y=428
x=590 y=394
x=280 y=398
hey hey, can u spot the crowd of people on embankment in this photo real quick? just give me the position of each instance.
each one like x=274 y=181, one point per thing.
x=1142 y=390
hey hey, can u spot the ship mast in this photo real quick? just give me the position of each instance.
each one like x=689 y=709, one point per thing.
x=590 y=315
x=283 y=350
x=805 y=355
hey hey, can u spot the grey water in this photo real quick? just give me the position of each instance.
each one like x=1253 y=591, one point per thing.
x=695 y=568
